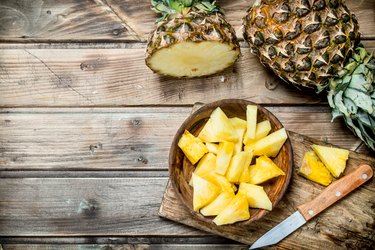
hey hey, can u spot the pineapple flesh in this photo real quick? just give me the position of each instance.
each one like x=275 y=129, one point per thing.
x=313 y=169
x=224 y=156
x=262 y=130
x=206 y=165
x=191 y=39
x=218 y=205
x=204 y=192
x=240 y=126
x=264 y=170
x=237 y=165
x=236 y=210
x=212 y=147
x=256 y=196
x=333 y=158
x=269 y=145
x=251 y=119
x=193 y=148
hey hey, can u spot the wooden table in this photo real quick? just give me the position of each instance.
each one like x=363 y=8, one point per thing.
x=85 y=126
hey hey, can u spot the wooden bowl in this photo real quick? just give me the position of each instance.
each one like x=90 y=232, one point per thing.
x=180 y=168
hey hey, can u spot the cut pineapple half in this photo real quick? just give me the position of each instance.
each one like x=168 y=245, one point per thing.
x=256 y=196
x=204 y=192
x=218 y=205
x=192 y=59
x=264 y=170
x=236 y=210
x=333 y=158
x=193 y=147
x=313 y=169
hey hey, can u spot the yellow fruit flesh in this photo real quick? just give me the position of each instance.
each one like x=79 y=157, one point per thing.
x=264 y=170
x=262 y=130
x=313 y=169
x=207 y=133
x=224 y=156
x=204 y=192
x=251 y=119
x=245 y=176
x=212 y=147
x=192 y=59
x=236 y=210
x=218 y=205
x=220 y=181
x=256 y=196
x=193 y=147
x=240 y=126
x=333 y=158
x=238 y=163
x=206 y=165
x=269 y=145
x=222 y=127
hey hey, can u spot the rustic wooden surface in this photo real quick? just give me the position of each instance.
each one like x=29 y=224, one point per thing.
x=85 y=128
x=327 y=226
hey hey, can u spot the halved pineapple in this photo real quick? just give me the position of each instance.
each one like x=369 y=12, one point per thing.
x=218 y=128
x=313 y=169
x=193 y=147
x=238 y=163
x=212 y=147
x=269 y=145
x=224 y=155
x=333 y=158
x=256 y=196
x=240 y=126
x=262 y=130
x=236 y=210
x=204 y=192
x=220 y=181
x=251 y=119
x=218 y=205
x=264 y=170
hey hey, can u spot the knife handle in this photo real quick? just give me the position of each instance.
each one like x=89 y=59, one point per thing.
x=336 y=191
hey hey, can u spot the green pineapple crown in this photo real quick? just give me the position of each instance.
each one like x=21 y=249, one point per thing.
x=172 y=7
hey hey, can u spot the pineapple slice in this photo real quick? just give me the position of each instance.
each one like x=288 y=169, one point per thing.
x=263 y=170
x=236 y=210
x=220 y=181
x=313 y=169
x=333 y=158
x=212 y=147
x=206 y=165
x=240 y=126
x=222 y=127
x=224 y=155
x=207 y=133
x=218 y=205
x=193 y=147
x=251 y=119
x=245 y=176
x=237 y=165
x=256 y=196
x=204 y=192
x=269 y=145
x=262 y=130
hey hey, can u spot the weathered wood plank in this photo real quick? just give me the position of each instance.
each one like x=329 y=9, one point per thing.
x=116 y=20
x=126 y=247
x=123 y=138
x=27 y=21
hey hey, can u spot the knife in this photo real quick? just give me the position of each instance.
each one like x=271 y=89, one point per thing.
x=309 y=210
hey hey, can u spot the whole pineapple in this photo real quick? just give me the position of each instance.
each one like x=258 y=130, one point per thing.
x=315 y=43
x=191 y=39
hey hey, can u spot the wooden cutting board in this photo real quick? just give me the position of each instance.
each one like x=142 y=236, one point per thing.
x=348 y=223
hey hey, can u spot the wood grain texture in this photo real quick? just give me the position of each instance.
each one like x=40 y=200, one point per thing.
x=123 y=138
x=47 y=21
x=116 y=20
x=348 y=224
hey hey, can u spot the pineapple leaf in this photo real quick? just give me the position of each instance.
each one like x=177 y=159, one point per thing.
x=340 y=104
x=350 y=105
x=358 y=82
x=361 y=99
x=336 y=113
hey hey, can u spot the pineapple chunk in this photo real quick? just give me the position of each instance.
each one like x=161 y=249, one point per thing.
x=206 y=165
x=218 y=128
x=237 y=165
x=256 y=196
x=220 y=181
x=236 y=210
x=269 y=145
x=193 y=147
x=240 y=126
x=262 y=130
x=204 y=192
x=218 y=205
x=333 y=158
x=313 y=169
x=245 y=176
x=212 y=147
x=224 y=155
x=251 y=119
x=263 y=170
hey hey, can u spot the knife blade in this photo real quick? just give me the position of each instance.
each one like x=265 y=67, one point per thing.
x=334 y=192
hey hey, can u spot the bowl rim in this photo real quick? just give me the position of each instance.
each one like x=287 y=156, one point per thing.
x=215 y=104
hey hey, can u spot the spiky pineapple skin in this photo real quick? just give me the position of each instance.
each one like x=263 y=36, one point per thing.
x=304 y=42
x=195 y=26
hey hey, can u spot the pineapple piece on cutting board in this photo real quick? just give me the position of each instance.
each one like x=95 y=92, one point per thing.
x=313 y=169
x=333 y=158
